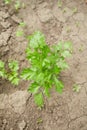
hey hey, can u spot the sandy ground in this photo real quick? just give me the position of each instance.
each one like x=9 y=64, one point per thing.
x=67 y=111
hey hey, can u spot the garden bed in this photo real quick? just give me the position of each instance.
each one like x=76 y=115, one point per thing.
x=66 y=21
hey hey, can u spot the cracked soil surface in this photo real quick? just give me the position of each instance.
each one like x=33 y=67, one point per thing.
x=67 y=111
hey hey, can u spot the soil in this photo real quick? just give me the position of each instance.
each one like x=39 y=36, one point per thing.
x=67 y=111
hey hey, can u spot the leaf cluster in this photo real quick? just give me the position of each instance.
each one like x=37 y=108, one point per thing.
x=45 y=65
x=12 y=73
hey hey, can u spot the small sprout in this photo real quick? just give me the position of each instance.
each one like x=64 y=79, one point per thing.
x=74 y=10
x=19 y=33
x=7 y=1
x=76 y=88
x=68 y=29
x=59 y=3
x=77 y=23
x=12 y=76
x=22 y=24
x=39 y=121
x=17 y=5
x=12 y=73
x=23 y=5
x=81 y=48
x=64 y=10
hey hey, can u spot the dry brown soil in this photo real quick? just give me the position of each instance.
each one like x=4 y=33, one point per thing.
x=67 y=111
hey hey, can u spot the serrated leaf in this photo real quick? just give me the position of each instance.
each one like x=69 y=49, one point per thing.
x=10 y=77
x=40 y=77
x=76 y=88
x=66 y=53
x=1 y=64
x=59 y=46
x=57 y=69
x=59 y=85
x=68 y=45
x=25 y=74
x=13 y=65
x=19 y=33
x=33 y=88
x=63 y=64
x=15 y=81
x=38 y=98
x=46 y=91
x=2 y=74
x=37 y=40
x=22 y=24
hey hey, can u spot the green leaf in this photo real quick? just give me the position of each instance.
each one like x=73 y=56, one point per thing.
x=38 y=98
x=68 y=45
x=2 y=74
x=13 y=65
x=59 y=3
x=46 y=91
x=66 y=53
x=2 y=69
x=76 y=88
x=1 y=64
x=15 y=81
x=22 y=24
x=57 y=69
x=7 y=1
x=40 y=77
x=17 y=5
x=25 y=74
x=59 y=85
x=56 y=48
x=37 y=40
x=62 y=64
x=33 y=88
x=19 y=33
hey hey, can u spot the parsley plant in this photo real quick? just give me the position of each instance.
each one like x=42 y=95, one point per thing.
x=45 y=65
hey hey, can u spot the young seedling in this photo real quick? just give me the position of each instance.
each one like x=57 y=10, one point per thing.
x=7 y=1
x=76 y=88
x=39 y=121
x=59 y=3
x=13 y=75
x=68 y=29
x=77 y=23
x=75 y=10
x=45 y=65
x=17 y=5
x=23 y=5
x=22 y=24
x=81 y=48
x=64 y=10
x=19 y=33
